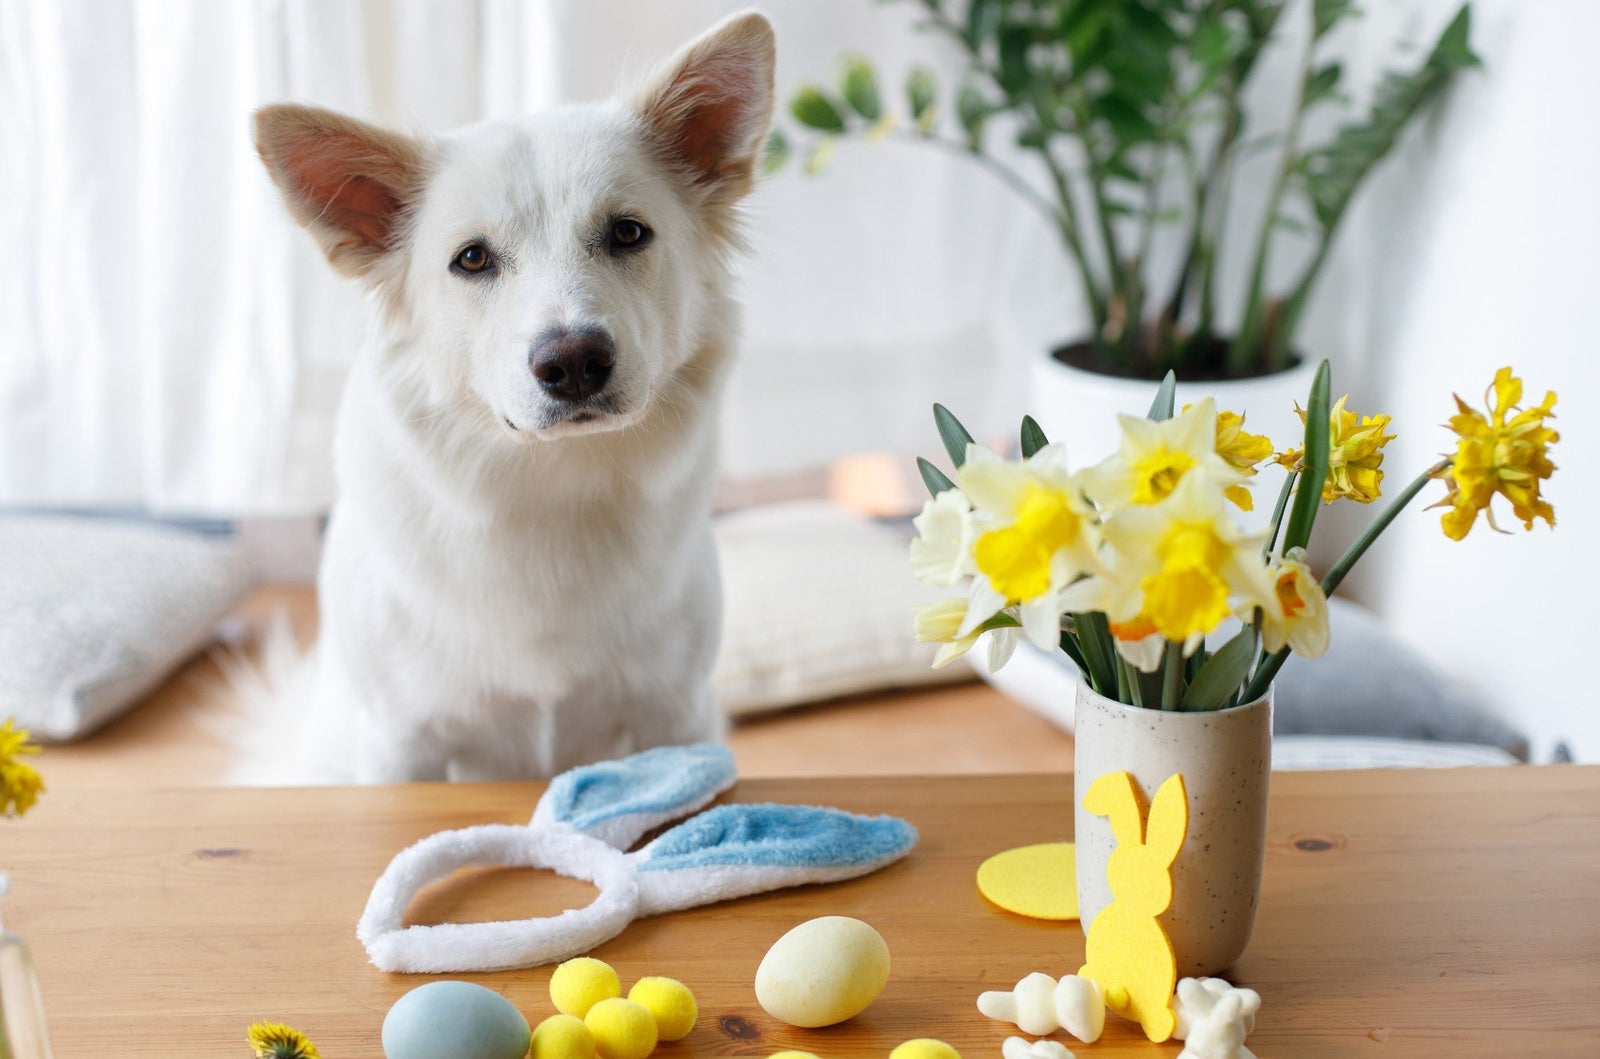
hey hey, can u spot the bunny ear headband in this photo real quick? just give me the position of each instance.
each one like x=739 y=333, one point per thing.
x=581 y=827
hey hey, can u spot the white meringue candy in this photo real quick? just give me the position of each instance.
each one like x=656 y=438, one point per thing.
x=1039 y=1005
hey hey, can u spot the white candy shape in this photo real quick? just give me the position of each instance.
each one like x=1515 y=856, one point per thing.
x=1214 y=1018
x=1020 y=1048
x=1040 y=1005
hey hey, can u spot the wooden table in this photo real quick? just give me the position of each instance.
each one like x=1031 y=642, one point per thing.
x=1445 y=913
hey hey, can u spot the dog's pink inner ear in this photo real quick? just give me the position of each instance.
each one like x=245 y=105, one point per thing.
x=711 y=110
x=705 y=118
x=326 y=173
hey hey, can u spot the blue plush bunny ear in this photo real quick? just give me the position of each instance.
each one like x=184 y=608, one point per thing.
x=619 y=801
x=737 y=850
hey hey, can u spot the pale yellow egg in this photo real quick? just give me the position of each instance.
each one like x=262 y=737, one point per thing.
x=823 y=971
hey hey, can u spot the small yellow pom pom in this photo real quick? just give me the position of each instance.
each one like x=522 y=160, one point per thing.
x=672 y=1004
x=622 y=1029
x=578 y=985
x=562 y=1037
x=924 y=1048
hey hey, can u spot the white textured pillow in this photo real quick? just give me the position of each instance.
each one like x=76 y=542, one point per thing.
x=94 y=613
x=818 y=603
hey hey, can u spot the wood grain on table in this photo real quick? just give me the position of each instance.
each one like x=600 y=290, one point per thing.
x=1446 y=913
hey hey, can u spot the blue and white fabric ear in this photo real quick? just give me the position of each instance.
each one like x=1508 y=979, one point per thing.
x=581 y=827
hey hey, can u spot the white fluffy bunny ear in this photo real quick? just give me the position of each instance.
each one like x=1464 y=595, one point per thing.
x=737 y=850
x=620 y=801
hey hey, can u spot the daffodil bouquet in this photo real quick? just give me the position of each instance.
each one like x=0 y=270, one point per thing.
x=1131 y=564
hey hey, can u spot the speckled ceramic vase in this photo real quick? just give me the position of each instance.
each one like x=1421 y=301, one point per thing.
x=1226 y=760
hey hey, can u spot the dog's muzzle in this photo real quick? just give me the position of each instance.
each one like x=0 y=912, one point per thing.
x=573 y=365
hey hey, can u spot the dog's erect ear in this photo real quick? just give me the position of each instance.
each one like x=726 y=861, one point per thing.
x=346 y=182
x=710 y=106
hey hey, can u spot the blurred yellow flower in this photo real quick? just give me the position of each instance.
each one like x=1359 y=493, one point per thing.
x=20 y=784
x=1300 y=617
x=1242 y=451
x=273 y=1040
x=1155 y=455
x=940 y=622
x=1497 y=455
x=1355 y=452
x=1038 y=536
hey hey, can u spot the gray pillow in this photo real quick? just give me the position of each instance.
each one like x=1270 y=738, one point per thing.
x=1368 y=683
x=95 y=612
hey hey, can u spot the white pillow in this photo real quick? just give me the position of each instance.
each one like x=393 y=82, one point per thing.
x=95 y=612
x=818 y=603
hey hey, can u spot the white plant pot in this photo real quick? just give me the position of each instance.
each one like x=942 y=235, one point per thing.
x=1225 y=757
x=1080 y=408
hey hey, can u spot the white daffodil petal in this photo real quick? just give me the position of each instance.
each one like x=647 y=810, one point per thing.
x=1144 y=654
x=1002 y=644
x=1041 y=621
x=983 y=603
x=941 y=553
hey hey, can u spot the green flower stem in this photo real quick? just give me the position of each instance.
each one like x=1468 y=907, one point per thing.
x=1269 y=669
x=1381 y=523
x=1277 y=513
x=1172 y=677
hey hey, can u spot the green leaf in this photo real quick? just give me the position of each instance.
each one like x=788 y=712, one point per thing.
x=922 y=89
x=1014 y=43
x=1222 y=674
x=1033 y=438
x=952 y=433
x=1335 y=170
x=1094 y=639
x=859 y=86
x=983 y=18
x=1069 y=644
x=973 y=109
x=814 y=110
x=1166 y=396
x=1322 y=83
x=774 y=152
x=1214 y=43
x=1325 y=14
x=933 y=477
x=1314 y=464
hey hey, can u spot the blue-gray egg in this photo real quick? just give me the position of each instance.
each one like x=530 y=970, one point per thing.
x=454 y=1020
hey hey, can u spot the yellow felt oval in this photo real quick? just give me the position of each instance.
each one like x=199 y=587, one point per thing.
x=1035 y=881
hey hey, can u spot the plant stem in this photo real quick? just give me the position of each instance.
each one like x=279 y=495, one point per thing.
x=1353 y=554
x=1277 y=513
x=1248 y=343
x=1172 y=677
x=1269 y=669
x=1125 y=672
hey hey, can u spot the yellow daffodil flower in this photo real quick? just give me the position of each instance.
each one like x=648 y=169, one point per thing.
x=273 y=1040
x=20 y=784
x=1156 y=455
x=1355 y=452
x=1243 y=451
x=1179 y=568
x=1036 y=534
x=1300 y=618
x=1139 y=642
x=942 y=553
x=1501 y=453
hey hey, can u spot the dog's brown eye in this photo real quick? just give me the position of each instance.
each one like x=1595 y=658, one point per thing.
x=473 y=259
x=628 y=234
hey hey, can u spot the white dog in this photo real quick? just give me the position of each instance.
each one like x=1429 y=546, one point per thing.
x=519 y=574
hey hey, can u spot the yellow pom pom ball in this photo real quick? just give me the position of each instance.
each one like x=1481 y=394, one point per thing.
x=924 y=1048
x=578 y=985
x=562 y=1037
x=670 y=1001
x=622 y=1029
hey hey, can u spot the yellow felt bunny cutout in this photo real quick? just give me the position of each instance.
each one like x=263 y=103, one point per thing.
x=1127 y=952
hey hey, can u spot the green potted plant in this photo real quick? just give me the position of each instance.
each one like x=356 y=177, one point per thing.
x=1132 y=114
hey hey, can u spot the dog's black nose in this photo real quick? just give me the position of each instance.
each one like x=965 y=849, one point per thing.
x=572 y=365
